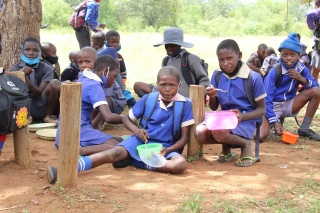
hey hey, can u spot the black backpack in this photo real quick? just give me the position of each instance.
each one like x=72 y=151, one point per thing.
x=15 y=104
x=185 y=68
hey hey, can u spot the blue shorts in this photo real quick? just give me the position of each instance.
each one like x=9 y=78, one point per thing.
x=131 y=144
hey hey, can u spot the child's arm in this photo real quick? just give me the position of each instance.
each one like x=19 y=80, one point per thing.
x=213 y=102
x=108 y=116
x=303 y=77
x=140 y=133
x=258 y=112
x=185 y=136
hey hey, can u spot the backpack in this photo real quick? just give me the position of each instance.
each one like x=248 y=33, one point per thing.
x=78 y=17
x=185 y=68
x=15 y=104
x=178 y=109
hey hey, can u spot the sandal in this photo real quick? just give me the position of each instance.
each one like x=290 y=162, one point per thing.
x=227 y=158
x=240 y=161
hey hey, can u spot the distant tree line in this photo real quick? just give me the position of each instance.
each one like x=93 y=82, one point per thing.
x=207 y=17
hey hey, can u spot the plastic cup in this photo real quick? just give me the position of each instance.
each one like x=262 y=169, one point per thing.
x=217 y=120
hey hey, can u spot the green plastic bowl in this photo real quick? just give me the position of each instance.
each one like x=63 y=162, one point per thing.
x=155 y=147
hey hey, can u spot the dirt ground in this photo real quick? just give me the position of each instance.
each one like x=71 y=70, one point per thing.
x=287 y=178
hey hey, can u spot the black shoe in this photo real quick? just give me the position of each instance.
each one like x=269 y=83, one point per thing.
x=52 y=174
x=123 y=163
x=308 y=133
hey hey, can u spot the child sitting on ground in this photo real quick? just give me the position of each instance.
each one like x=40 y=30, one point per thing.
x=283 y=101
x=269 y=61
x=234 y=71
x=44 y=90
x=113 y=40
x=72 y=71
x=93 y=98
x=256 y=59
x=49 y=56
x=157 y=130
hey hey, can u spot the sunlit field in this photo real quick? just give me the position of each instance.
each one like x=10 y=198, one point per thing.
x=143 y=60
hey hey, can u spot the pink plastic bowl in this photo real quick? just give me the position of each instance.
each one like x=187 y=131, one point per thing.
x=216 y=120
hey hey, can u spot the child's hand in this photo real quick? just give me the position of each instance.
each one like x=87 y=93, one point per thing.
x=211 y=91
x=295 y=74
x=278 y=129
x=163 y=151
x=142 y=134
x=27 y=70
x=238 y=114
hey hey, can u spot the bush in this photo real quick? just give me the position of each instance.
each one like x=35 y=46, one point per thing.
x=56 y=13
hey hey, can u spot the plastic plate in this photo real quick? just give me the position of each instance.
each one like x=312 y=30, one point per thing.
x=47 y=134
x=152 y=158
x=39 y=126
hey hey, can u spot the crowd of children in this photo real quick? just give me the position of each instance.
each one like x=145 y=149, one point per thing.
x=102 y=71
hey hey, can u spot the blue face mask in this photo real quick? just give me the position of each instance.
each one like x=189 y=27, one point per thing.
x=105 y=81
x=30 y=61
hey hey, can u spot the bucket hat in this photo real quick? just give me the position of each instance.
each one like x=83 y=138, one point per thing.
x=174 y=35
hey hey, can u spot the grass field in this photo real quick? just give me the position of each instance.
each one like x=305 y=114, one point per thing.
x=143 y=60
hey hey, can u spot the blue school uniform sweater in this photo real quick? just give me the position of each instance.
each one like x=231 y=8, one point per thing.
x=92 y=14
x=286 y=90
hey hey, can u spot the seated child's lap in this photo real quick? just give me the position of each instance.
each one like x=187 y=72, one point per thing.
x=39 y=106
x=131 y=144
x=284 y=109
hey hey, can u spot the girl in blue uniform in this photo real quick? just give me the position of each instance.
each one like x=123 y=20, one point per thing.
x=233 y=72
x=158 y=130
x=93 y=98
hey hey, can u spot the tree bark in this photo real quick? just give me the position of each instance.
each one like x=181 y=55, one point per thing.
x=19 y=19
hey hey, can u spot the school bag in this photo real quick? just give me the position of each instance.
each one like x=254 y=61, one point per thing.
x=185 y=68
x=78 y=17
x=178 y=109
x=15 y=104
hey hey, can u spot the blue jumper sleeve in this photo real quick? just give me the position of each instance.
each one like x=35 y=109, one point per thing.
x=269 y=84
x=92 y=16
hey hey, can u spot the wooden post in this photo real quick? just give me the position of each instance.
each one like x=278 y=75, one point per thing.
x=69 y=140
x=197 y=98
x=21 y=144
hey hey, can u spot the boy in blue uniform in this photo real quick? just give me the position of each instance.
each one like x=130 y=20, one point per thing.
x=93 y=98
x=282 y=100
x=158 y=130
x=234 y=72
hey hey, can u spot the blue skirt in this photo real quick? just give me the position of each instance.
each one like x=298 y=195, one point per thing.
x=131 y=144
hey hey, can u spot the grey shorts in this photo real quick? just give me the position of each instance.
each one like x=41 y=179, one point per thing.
x=39 y=106
x=284 y=109
x=315 y=59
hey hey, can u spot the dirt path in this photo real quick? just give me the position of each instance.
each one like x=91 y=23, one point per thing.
x=286 y=178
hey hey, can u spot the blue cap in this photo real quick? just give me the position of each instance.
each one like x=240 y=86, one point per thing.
x=291 y=43
x=108 y=51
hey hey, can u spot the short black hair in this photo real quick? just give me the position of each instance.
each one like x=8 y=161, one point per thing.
x=112 y=33
x=99 y=36
x=169 y=71
x=270 y=51
x=262 y=46
x=228 y=44
x=31 y=39
x=105 y=61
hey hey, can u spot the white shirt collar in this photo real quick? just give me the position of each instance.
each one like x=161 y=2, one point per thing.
x=178 y=98
x=89 y=74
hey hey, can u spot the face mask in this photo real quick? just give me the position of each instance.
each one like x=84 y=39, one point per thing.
x=174 y=97
x=30 y=61
x=52 y=60
x=105 y=78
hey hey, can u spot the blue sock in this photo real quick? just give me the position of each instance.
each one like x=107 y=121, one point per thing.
x=84 y=163
x=142 y=165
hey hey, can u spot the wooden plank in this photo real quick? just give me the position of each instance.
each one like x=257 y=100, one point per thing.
x=21 y=143
x=69 y=140
x=197 y=95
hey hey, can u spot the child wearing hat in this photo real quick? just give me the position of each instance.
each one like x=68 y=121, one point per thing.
x=283 y=101
x=173 y=41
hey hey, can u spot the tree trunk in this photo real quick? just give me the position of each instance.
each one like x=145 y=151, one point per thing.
x=19 y=19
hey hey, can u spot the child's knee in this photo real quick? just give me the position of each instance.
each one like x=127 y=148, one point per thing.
x=200 y=133
x=180 y=165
